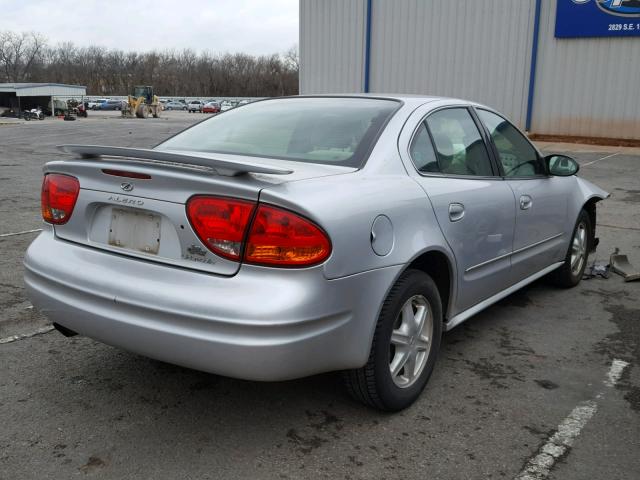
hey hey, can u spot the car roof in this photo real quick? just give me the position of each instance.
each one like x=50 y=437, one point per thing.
x=407 y=98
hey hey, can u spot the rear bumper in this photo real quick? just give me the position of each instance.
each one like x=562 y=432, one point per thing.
x=261 y=324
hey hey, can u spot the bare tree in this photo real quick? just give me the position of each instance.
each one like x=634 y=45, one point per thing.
x=172 y=73
x=18 y=52
x=292 y=58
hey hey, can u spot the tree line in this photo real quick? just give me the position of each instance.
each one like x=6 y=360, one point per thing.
x=27 y=57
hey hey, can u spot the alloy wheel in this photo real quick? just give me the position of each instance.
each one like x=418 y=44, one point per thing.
x=579 y=248
x=411 y=341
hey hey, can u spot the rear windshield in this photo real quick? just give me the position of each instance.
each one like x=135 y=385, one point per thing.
x=330 y=130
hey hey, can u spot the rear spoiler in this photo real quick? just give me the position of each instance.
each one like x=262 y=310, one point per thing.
x=203 y=162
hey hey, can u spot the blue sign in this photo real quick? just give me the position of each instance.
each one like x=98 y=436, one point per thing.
x=597 y=18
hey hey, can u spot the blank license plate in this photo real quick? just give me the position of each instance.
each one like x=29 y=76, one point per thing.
x=133 y=230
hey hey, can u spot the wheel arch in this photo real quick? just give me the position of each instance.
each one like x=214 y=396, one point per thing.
x=440 y=267
x=590 y=207
x=439 y=264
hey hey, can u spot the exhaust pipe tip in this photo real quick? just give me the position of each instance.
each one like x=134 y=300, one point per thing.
x=64 y=330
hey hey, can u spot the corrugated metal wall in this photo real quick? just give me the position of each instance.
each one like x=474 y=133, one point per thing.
x=454 y=49
x=332 y=46
x=480 y=50
x=586 y=86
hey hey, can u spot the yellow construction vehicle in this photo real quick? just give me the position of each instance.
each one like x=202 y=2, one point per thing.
x=142 y=103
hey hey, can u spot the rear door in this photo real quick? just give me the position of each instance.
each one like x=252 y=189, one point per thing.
x=473 y=205
x=541 y=200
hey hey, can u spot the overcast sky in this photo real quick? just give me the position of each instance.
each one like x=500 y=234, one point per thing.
x=251 y=26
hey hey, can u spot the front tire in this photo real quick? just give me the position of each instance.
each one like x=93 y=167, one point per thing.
x=404 y=348
x=575 y=261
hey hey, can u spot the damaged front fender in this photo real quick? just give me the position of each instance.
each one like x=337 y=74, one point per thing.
x=590 y=191
x=585 y=198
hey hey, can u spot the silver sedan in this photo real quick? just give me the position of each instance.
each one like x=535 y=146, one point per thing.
x=302 y=235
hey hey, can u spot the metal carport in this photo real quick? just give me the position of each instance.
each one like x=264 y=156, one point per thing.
x=21 y=96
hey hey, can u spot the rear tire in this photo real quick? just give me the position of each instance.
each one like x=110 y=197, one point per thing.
x=575 y=261
x=404 y=348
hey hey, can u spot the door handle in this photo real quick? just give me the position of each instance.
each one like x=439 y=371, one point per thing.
x=525 y=202
x=456 y=211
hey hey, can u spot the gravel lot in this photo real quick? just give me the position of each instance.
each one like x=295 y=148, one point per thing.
x=504 y=383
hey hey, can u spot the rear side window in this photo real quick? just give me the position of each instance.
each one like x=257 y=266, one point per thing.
x=422 y=152
x=459 y=147
x=517 y=155
x=328 y=130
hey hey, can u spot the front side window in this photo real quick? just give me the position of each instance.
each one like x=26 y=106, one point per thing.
x=517 y=156
x=459 y=147
x=329 y=130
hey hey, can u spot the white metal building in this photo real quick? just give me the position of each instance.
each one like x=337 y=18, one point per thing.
x=503 y=53
x=30 y=95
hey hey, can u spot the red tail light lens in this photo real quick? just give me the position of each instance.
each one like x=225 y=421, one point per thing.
x=282 y=238
x=277 y=237
x=220 y=223
x=58 y=197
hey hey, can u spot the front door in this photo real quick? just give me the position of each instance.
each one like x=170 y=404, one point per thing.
x=541 y=201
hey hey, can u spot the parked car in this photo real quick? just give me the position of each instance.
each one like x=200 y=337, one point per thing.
x=227 y=105
x=173 y=105
x=195 y=106
x=95 y=104
x=302 y=235
x=111 y=105
x=211 y=107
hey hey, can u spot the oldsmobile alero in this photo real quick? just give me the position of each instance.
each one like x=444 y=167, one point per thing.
x=301 y=235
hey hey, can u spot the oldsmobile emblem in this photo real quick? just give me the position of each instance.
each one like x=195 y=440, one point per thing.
x=126 y=186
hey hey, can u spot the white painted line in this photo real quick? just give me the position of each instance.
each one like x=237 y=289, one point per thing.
x=15 y=338
x=20 y=233
x=539 y=466
x=615 y=372
x=603 y=158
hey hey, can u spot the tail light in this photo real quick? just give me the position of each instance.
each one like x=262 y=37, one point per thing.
x=58 y=197
x=280 y=237
x=220 y=223
x=275 y=237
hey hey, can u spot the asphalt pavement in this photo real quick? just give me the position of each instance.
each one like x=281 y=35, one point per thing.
x=543 y=364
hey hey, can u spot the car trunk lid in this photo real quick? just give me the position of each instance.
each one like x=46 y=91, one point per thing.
x=146 y=217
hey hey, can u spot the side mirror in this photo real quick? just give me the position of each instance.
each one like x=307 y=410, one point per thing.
x=561 y=165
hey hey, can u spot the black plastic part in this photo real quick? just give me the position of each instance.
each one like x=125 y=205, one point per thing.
x=64 y=330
